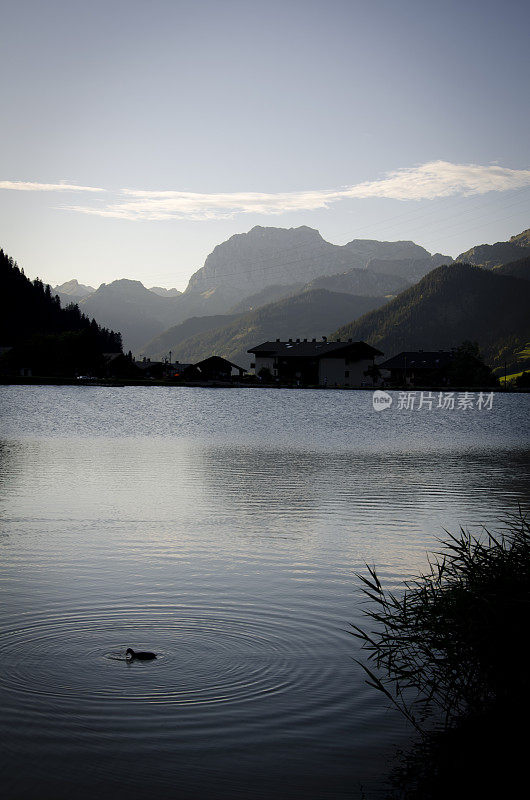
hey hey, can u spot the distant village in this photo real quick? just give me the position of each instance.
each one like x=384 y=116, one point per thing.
x=295 y=363
x=41 y=339
x=309 y=363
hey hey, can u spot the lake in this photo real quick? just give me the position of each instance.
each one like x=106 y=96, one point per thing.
x=223 y=529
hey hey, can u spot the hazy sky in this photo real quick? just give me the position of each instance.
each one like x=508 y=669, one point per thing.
x=138 y=135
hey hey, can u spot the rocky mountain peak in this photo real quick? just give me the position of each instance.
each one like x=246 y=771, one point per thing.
x=73 y=288
x=247 y=263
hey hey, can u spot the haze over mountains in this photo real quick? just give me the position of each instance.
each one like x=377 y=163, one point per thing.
x=252 y=269
x=72 y=292
x=137 y=313
x=291 y=283
x=306 y=315
x=164 y=292
x=249 y=262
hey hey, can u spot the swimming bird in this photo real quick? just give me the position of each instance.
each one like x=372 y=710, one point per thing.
x=142 y=655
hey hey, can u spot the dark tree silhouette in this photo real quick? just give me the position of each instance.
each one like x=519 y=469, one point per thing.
x=43 y=336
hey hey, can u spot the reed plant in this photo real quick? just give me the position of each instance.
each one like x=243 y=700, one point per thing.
x=453 y=644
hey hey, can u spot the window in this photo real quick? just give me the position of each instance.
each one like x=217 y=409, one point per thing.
x=253 y=365
x=347 y=373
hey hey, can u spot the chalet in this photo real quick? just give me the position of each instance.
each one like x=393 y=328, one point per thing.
x=213 y=368
x=316 y=363
x=417 y=368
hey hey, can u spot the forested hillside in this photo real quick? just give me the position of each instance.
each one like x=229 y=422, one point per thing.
x=305 y=315
x=40 y=334
x=172 y=338
x=449 y=305
x=519 y=269
x=492 y=255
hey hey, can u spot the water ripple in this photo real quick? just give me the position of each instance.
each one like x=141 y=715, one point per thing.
x=208 y=655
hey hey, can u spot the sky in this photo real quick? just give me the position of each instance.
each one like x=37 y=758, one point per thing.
x=136 y=136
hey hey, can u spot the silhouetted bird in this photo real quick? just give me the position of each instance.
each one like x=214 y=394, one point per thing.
x=142 y=655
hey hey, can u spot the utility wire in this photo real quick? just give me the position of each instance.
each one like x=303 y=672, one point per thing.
x=268 y=265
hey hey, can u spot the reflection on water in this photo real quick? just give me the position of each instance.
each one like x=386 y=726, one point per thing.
x=228 y=546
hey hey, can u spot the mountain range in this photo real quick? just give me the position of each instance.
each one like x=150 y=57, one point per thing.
x=450 y=305
x=72 y=292
x=275 y=282
x=251 y=270
x=493 y=255
x=164 y=292
x=303 y=315
x=249 y=262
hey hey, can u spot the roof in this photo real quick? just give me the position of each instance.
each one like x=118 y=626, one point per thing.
x=146 y=363
x=316 y=349
x=213 y=361
x=418 y=359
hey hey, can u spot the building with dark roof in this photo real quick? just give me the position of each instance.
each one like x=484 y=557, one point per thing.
x=214 y=368
x=316 y=363
x=418 y=367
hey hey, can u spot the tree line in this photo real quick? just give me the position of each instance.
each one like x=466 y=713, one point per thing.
x=41 y=335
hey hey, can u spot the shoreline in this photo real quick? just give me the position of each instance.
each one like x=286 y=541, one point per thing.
x=119 y=382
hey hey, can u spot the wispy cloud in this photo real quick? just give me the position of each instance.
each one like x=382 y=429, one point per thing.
x=193 y=205
x=424 y=182
x=28 y=186
x=442 y=179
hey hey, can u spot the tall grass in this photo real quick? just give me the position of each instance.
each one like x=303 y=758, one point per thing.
x=453 y=643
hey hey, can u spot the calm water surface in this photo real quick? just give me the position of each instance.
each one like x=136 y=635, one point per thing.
x=222 y=529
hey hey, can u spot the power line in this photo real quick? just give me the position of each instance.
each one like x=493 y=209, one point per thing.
x=272 y=266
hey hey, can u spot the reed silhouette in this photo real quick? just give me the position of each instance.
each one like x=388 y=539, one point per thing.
x=450 y=653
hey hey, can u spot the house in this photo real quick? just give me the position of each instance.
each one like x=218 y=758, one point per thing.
x=151 y=369
x=177 y=368
x=213 y=368
x=417 y=368
x=159 y=370
x=316 y=363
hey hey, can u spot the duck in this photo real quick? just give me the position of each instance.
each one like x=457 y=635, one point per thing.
x=142 y=655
